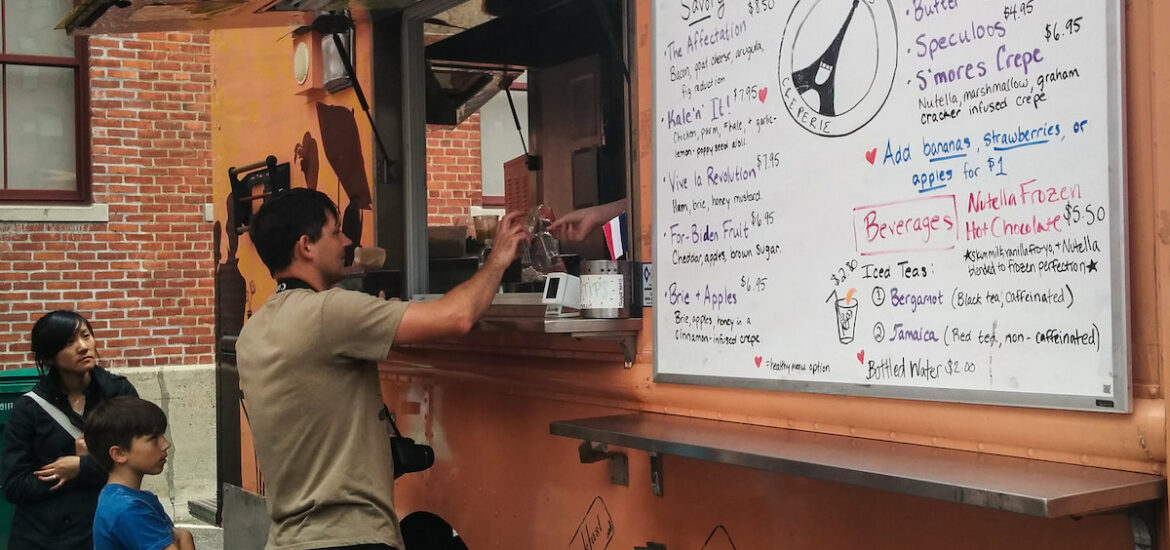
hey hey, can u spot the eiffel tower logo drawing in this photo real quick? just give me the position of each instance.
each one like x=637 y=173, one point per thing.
x=834 y=89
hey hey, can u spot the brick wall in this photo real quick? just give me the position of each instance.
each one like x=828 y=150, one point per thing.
x=145 y=278
x=453 y=173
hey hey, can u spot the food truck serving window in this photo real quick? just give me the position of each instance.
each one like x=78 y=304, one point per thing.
x=555 y=77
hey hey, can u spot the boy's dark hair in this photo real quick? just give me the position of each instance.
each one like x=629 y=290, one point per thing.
x=52 y=333
x=116 y=422
x=283 y=218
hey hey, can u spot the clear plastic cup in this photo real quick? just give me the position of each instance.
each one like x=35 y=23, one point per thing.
x=544 y=250
x=485 y=226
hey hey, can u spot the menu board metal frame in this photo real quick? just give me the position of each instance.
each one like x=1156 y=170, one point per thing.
x=1121 y=391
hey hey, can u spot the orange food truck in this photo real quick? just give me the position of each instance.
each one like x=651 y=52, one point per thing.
x=893 y=270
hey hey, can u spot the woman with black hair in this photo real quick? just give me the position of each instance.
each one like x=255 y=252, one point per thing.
x=47 y=472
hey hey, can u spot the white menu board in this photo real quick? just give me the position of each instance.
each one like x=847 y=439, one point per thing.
x=916 y=199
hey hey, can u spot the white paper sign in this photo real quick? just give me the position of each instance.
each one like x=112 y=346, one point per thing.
x=602 y=292
x=897 y=198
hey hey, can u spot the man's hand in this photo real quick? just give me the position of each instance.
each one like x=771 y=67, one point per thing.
x=59 y=471
x=510 y=235
x=458 y=310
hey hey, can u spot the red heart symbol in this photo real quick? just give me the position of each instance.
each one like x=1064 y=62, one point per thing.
x=870 y=155
x=763 y=94
x=861 y=357
x=758 y=360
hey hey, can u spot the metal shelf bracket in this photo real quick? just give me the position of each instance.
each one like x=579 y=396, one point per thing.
x=656 y=473
x=628 y=342
x=619 y=465
x=1143 y=524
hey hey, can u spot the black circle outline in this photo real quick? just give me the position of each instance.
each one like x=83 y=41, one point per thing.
x=893 y=77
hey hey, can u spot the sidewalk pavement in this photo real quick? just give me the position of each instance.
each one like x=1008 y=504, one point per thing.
x=207 y=537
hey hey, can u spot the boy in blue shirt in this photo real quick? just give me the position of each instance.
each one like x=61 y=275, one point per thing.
x=125 y=435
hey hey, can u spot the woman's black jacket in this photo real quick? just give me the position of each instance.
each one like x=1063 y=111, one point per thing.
x=61 y=519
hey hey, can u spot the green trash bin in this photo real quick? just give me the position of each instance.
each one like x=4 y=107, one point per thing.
x=13 y=384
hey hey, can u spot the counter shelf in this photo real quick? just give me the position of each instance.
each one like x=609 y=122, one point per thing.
x=1025 y=486
x=523 y=312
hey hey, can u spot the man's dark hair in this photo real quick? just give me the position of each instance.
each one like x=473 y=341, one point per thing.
x=116 y=422
x=283 y=218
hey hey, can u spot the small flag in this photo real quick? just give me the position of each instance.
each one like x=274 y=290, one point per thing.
x=615 y=236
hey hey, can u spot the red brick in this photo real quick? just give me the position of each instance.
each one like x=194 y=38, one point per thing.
x=151 y=155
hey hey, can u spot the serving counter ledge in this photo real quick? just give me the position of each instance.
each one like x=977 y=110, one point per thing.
x=622 y=331
x=1024 y=486
x=573 y=326
x=524 y=312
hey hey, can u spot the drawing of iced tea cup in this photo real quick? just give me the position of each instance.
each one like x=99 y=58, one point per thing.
x=846 y=318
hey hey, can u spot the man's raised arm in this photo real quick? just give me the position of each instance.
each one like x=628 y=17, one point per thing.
x=458 y=310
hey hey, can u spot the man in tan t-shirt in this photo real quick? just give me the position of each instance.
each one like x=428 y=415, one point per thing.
x=308 y=369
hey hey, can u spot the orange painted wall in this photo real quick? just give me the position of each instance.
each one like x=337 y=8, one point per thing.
x=256 y=112
x=485 y=402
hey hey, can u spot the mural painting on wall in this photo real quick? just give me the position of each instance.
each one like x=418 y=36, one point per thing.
x=305 y=157
x=343 y=151
x=231 y=292
x=342 y=145
x=596 y=529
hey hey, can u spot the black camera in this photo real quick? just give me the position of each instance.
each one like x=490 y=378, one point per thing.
x=409 y=457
